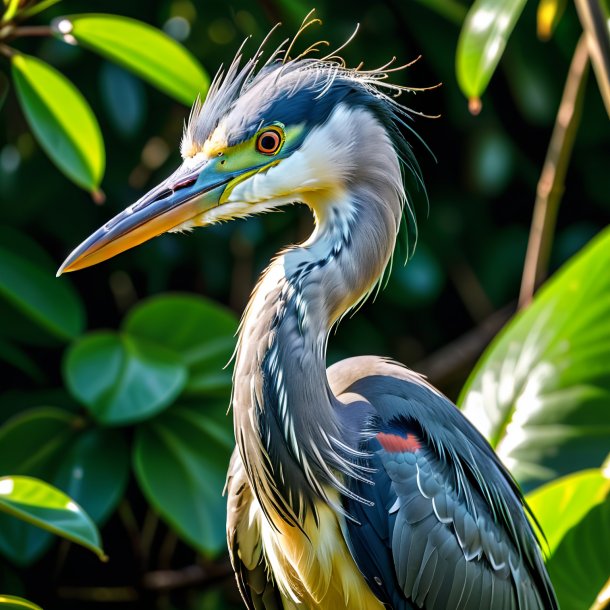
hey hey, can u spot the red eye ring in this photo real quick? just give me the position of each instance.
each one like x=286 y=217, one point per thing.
x=268 y=142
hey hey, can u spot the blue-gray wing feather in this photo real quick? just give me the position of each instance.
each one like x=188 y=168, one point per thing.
x=447 y=529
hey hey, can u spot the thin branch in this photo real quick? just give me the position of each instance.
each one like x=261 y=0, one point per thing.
x=31 y=30
x=167 y=580
x=6 y=51
x=551 y=184
x=602 y=602
x=99 y=594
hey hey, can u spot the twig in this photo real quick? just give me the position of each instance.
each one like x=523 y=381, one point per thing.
x=99 y=594
x=456 y=358
x=602 y=602
x=166 y=580
x=32 y=30
x=551 y=184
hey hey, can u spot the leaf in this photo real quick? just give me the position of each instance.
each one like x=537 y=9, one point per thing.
x=45 y=506
x=541 y=390
x=61 y=120
x=139 y=47
x=482 y=40
x=30 y=287
x=11 y=10
x=10 y=602
x=548 y=16
x=580 y=566
x=51 y=444
x=562 y=504
x=180 y=460
x=94 y=471
x=122 y=379
x=19 y=358
x=200 y=331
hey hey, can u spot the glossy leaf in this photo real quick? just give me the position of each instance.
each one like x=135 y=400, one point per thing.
x=139 y=47
x=31 y=288
x=91 y=466
x=548 y=16
x=482 y=40
x=43 y=505
x=61 y=120
x=562 y=504
x=10 y=602
x=540 y=392
x=180 y=461
x=199 y=330
x=580 y=566
x=122 y=379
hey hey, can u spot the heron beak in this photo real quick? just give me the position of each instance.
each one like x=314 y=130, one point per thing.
x=180 y=198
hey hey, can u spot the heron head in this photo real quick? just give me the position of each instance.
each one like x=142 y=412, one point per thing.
x=262 y=139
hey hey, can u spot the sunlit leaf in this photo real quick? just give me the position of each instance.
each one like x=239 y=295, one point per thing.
x=10 y=602
x=31 y=288
x=540 y=393
x=562 y=504
x=139 y=47
x=580 y=566
x=34 y=9
x=549 y=13
x=200 y=331
x=180 y=461
x=43 y=505
x=122 y=379
x=61 y=120
x=90 y=465
x=482 y=40
x=11 y=10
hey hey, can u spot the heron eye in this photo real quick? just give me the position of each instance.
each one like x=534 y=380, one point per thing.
x=268 y=142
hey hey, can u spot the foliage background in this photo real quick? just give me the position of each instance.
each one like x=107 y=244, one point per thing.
x=436 y=315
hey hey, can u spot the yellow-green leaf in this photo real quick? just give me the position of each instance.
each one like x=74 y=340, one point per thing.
x=45 y=506
x=61 y=120
x=139 y=47
x=548 y=15
x=10 y=602
x=482 y=40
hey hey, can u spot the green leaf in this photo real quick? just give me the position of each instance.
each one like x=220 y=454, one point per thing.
x=200 y=331
x=540 y=392
x=61 y=120
x=580 y=566
x=562 y=504
x=20 y=359
x=32 y=289
x=482 y=40
x=10 y=602
x=139 y=47
x=51 y=444
x=43 y=505
x=94 y=471
x=122 y=379
x=180 y=460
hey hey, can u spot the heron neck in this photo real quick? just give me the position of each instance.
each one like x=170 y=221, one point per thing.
x=287 y=424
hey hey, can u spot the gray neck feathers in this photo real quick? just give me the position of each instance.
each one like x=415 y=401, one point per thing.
x=287 y=420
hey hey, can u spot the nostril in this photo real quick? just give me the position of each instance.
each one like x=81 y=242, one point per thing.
x=184 y=183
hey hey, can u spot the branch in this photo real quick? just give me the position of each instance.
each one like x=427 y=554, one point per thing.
x=551 y=184
x=167 y=580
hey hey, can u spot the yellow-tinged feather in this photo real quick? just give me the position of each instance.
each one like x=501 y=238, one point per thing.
x=312 y=568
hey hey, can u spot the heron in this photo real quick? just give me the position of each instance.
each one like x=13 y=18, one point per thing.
x=360 y=485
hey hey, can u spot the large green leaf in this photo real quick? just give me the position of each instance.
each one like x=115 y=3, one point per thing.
x=61 y=120
x=43 y=505
x=200 y=331
x=580 y=566
x=541 y=391
x=122 y=379
x=180 y=461
x=10 y=602
x=482 y=40
x=562 y=504
x=90 y=465
x=31 y=288
x=141 y=48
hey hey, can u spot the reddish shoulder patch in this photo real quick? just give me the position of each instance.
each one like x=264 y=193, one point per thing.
x=395 y=443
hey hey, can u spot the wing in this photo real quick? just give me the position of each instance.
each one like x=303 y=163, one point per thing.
x=448 y=528
x=245 y=549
